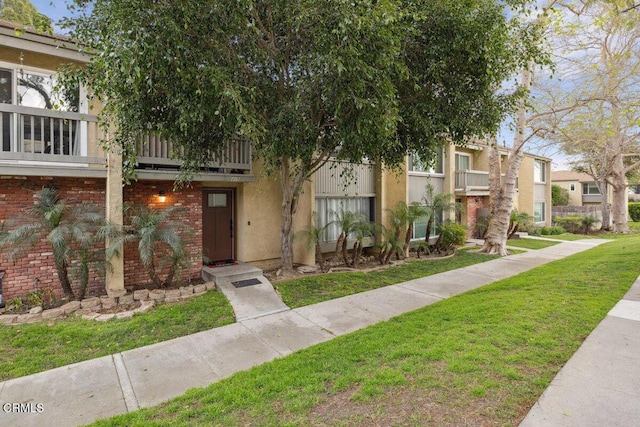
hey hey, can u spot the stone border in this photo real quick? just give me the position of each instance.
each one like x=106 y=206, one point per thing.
x=89 y=308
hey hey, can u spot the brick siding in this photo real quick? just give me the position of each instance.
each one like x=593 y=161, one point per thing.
x=146 y=193
x=36 y=267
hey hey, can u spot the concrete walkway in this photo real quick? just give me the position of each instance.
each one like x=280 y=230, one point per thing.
x=600 y=384
x=143 y=377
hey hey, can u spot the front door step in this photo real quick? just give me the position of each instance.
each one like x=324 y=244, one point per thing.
x=230 y=273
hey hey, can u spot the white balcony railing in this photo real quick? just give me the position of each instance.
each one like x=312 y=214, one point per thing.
x=469 y=180
x=156 y=151
x=38 y=135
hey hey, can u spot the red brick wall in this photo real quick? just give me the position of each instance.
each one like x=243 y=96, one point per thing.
x=16 y=197
x=146 y=193
x=473 y=205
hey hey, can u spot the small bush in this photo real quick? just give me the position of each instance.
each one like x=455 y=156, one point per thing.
x=634 y=211
x=556 y=230
x=572 y=224
x=451 y=235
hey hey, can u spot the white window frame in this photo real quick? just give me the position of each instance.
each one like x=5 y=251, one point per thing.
x=539 y=171
x=572 y=187
x=590 y=186
x=436 y=169
x=543 y=207
x=463 y=155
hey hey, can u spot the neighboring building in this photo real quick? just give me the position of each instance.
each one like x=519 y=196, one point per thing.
x=582 y=188
x=234 y=209
x=464 y=172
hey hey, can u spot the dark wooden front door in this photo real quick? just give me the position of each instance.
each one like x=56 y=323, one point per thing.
x=218 y=228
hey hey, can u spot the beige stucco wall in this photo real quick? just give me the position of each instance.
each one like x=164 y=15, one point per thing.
x=259 y=219
x=530 y=192
x=392 y=186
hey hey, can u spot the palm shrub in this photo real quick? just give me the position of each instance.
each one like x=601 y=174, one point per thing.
x=76 y=236
x=517 y=220
x=450 y=235
x=436 y=204
x=390 y=243
x=159 y=236
x=348 y=222
x=362 y=230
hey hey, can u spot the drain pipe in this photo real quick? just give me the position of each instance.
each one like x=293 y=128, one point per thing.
x=2 y=304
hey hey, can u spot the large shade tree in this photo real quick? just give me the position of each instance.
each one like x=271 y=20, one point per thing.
x=303 y=80
x=595 y=101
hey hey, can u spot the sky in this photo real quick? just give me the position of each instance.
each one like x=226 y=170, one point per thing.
x=54 y=9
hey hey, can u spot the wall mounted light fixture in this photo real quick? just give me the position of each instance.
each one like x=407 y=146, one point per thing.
x=162 y=197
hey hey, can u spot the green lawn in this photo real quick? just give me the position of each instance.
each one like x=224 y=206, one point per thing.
x=30 y=348
x=480 y=358
x=531 y=243
x=315 y=289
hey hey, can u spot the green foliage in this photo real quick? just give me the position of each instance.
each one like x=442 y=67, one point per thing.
x=518 y=220
x=634 y=211
x=76 y=235
x=559 y=195
x=351 y=224
x=44 y=298
x=24 y=12
x=438 y=204
x=159 y=235
x=548 y=231
x=576 y=224
x=588 y=222
x=369 y=79
x=450 y=236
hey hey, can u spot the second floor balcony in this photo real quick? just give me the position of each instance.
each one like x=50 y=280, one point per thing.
x=37 y=141
x=58 y=143
x=472 y=182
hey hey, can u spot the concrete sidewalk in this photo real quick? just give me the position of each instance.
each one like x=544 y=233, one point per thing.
x=600 y=384
x=143 y=377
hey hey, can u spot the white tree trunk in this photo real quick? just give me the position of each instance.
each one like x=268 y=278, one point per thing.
x=501 y=193
x=619 y=196
x=606 y=209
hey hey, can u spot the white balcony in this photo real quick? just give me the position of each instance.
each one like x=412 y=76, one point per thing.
x=35 y=140
x=155 y=153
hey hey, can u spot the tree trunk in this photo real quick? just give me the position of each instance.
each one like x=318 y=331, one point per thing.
x=291 y=182
x=336 y=253
x=501 y=194
x=63 y=277
x=344 y=251
x=407 y=239
x=355 y=256
x=606 y=209
x=619 y=196
x=319 y=260
x=286 y=232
